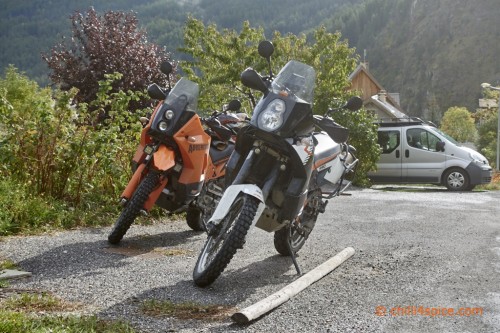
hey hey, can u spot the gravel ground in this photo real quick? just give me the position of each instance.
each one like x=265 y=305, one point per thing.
x=415 y=246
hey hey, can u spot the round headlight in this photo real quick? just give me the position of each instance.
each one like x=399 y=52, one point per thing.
x=277 y=105
x=272 y=117
x=270 y=120
x=169 y=114
x=163 y=126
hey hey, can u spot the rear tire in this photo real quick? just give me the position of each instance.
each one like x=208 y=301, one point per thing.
x=194 y=219
x=282 y=236
x=457 y=179
x=133 y=207
x=291 y=233
x=220 y=248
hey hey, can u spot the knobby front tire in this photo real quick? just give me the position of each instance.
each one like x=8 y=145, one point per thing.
x=219 y=249
x=133 y=207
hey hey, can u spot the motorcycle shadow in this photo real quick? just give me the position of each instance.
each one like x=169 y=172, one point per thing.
x=147 y=242
x=89 y=258
x=275 y=269
x=234 y=287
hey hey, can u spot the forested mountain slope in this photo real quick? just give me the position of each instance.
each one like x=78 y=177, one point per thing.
x=434 y=52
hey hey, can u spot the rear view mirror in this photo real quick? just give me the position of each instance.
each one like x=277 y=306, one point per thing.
x=166 y=67
x=266 y=49
x=354 y=103
x=233 y=105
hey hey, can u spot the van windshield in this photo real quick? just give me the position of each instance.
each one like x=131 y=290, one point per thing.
x=449 y=138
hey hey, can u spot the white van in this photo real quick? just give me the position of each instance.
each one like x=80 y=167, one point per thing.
x=413 y=151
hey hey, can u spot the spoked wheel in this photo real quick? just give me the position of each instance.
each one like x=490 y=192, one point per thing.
x=229 y=236
x=133 y=207
x=286 y=234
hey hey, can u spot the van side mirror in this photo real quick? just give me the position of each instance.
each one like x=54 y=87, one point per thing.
x=440 y=146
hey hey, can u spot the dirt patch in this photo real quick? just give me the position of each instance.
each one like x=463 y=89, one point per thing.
x=187 y=310
x=148 y=253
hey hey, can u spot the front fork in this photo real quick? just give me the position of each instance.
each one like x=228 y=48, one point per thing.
x=163 y=159
x=239 y=186
x=247 y=167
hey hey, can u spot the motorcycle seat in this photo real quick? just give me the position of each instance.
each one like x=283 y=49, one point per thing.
x=326 y=149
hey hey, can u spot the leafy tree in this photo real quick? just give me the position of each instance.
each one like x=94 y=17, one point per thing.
x=459 y=123
x=218 y=58
x=488 y=128
x=104 y=45
x=487 y=139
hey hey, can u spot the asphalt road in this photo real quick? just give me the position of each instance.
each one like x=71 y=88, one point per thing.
x=422 y=254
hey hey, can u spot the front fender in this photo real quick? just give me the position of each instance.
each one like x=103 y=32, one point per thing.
x=163 y=158
x=230 y=195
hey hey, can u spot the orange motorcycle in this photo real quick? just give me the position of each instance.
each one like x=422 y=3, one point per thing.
x=181 y=158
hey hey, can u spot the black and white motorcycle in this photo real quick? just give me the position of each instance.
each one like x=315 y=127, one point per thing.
x=281 y=171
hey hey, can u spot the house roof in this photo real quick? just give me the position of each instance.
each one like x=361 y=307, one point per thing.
x=372 y=92
x=485 y=103
x=363 y=68
x=386 y=107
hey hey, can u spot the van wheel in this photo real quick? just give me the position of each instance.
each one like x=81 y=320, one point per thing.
x=457 y=179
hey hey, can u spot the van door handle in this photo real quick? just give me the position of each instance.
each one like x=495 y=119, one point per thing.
x=407 y=153
x=397 y=153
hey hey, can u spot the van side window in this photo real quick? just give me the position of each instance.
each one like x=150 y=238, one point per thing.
x=388 y=141
x=422 y=139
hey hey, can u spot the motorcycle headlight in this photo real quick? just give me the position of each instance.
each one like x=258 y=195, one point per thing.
x=272 y=117
x=169 y=114
x=163 y=126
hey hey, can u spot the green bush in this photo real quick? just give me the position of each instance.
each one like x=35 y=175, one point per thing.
x=487 y=139
x=24 y=212
x=60 y=163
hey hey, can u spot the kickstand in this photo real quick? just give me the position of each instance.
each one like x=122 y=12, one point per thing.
x=294 y=259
